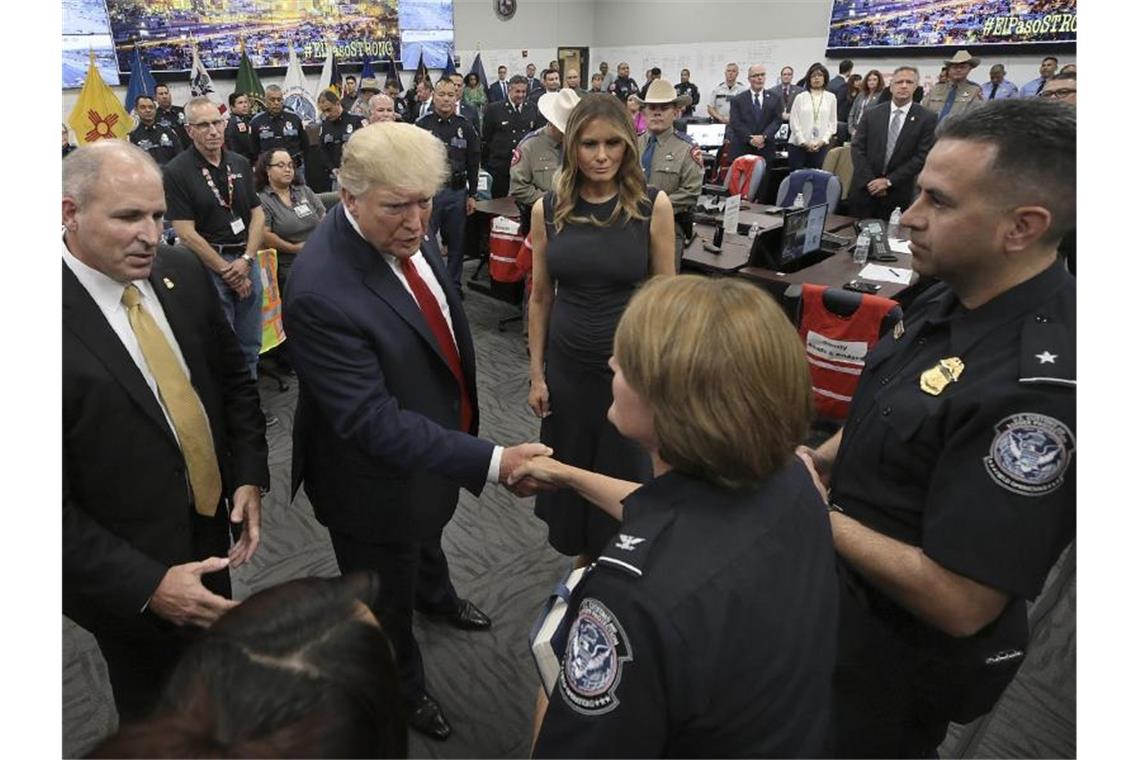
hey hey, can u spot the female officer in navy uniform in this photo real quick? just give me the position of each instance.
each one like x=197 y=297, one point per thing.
x=707 y=626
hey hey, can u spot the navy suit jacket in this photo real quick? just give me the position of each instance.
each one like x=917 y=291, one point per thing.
x=742 y=124
x=376 y=440
x=495 y=91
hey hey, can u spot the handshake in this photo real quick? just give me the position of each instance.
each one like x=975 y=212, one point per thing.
x=519 y=469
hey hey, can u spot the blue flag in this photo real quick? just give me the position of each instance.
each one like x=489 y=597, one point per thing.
x=366 y=71
x=450 y=68
x=477 y=70
x=394 y=73
x=140 y=82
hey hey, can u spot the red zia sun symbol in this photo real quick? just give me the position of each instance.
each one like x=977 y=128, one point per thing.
x=101 y=128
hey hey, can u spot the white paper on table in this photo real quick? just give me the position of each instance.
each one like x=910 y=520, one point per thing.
x=731 y=214
x=881 y=273
x=899 y=246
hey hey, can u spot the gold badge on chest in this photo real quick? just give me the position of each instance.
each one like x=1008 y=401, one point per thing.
x=946 y=371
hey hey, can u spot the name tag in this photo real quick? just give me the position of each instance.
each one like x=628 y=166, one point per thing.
x=302 y=210
x=237 y=225
x=459 y=142
x=242 y=126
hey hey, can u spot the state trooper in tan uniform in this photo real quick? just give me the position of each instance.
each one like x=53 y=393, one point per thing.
x=539 y=155
x=966 y=95
x=672 y=161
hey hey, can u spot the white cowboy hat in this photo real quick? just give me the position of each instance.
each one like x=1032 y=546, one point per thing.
x=963 y=56
x=556 y=107
x=661 y=92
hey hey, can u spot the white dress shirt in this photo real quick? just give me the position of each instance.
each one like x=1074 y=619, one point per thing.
x=802 y=118
x=424 y=270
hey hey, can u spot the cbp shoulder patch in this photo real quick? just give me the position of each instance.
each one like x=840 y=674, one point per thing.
x=596 y=650
x=1030 y=454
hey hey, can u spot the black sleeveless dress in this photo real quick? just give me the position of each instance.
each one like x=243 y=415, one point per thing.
x=595 y=271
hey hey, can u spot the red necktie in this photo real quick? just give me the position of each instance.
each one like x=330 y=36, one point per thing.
x=438 y=325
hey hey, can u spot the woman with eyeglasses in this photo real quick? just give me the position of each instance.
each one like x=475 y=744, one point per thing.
x=812 y=121
x=292 y=209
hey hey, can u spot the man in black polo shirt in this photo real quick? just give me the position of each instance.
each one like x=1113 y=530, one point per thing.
x=238 y=136
x=170 y=116
x=337 y=126
x=276 y=128
x=159 y=141
x=953 y=483
x=215 y=212
x=456 y=201
x=349 y=92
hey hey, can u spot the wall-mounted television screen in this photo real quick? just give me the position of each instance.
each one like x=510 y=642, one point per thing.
x=879 y=26
x=86 y=28
x=166 y=29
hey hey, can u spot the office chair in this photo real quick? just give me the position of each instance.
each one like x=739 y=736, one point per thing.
x=817 y=186
x=745 y=177
x=330 y=199
x=839 y=328
x=838 y=162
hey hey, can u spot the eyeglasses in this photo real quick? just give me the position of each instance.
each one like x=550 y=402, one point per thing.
x=1060 y=93
x=282 y=165
x=206 y=125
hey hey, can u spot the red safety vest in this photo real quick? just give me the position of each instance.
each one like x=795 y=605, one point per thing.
x=837 y=347
x=740 y=174
x=505 y=245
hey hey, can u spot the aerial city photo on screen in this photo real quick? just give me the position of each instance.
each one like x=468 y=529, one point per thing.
x=862 y=24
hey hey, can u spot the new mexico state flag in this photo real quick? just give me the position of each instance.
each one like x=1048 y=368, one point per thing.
x=98 y=114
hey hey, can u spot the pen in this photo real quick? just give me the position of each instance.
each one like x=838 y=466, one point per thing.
x=896 y=274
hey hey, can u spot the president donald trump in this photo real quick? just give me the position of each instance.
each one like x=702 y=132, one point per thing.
x=387 y=415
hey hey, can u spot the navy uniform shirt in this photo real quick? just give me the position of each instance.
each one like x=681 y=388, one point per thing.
x=283 y=131
x=335 y=133
x=690 y=89
x=462 y=142
x=504 y=126
x=189 y=195
x=623 y=87
x=239 y=139
x=961 y=440
x=706 y=628
x=173 y=118
x=160 y=142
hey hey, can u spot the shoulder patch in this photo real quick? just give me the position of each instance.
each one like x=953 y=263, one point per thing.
x=516 y=156
x=596 y=651
x=697 y=156
x=1030 y=454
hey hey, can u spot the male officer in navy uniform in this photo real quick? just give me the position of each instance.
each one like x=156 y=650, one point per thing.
x=504 y=125
x=238 y=137
x=159 y=141
x=276 y=128
x=170 y=116
x=337 y=125
x=456 y=201
x=953 y=484
x=673 y=163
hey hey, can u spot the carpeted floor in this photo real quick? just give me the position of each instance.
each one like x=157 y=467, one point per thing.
x=499 y=558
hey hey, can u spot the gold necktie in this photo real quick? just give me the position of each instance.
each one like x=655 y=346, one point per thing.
x=182 y=404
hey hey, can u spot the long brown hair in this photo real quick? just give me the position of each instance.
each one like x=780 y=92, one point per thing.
x=879 y=87
x=630 y=178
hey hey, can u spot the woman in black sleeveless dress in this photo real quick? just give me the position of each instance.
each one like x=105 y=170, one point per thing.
x=597 y=236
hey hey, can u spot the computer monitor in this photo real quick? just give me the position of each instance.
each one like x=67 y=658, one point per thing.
x=794 y=245
x=707 y=136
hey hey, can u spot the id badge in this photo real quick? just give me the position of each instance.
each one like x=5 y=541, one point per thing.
x=237 y=225
x=303 y=210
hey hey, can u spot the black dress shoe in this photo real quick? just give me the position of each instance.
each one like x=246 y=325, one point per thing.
x=425 y=716
x=465 y=616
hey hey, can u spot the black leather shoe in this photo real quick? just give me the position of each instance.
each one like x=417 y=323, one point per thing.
x=425 y=716
x=466 y=616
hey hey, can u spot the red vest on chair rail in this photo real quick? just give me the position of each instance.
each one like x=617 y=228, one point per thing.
x=740 y=175
x=837 y=347
x=505 y=244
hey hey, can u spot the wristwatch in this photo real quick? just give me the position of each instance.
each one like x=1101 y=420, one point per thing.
x=249 y=258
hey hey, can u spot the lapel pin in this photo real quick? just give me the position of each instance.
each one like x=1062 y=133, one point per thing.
x=169 y=285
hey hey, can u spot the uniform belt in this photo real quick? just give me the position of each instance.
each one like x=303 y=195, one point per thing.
x=223 y=247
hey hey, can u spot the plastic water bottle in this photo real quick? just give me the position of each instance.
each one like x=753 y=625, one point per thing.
x=894 y=228
x=862 y=247
x=754 y=230
x=799 y=201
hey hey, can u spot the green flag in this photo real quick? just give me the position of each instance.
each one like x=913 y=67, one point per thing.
x=248 y=82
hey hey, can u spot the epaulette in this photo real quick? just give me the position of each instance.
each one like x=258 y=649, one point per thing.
x=1048 y=352
x=629 y=552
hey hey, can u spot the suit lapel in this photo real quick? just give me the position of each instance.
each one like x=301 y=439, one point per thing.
x=81 y=315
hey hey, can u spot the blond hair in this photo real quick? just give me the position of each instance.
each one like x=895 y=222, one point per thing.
x=724 y=372
x=393 y=155
x=630 y=178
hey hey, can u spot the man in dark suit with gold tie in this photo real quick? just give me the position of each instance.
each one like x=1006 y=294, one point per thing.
x=163 y=438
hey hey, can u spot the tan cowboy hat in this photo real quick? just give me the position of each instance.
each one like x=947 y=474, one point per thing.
x=963 y=56
x=368 y=83
x=556 y=107
x=661 y=92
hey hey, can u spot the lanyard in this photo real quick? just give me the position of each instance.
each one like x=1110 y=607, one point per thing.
x=816 y=105
x=230 y=186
